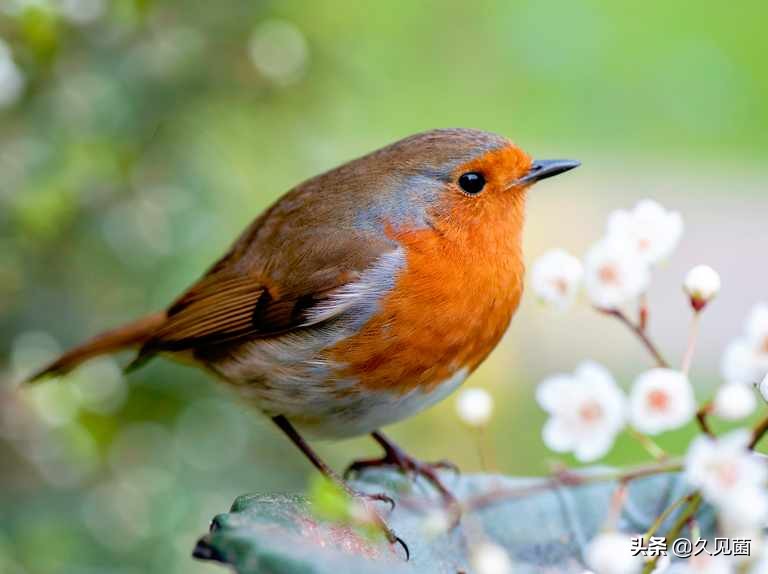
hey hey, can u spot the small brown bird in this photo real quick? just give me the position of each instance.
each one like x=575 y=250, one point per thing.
x=363 y=296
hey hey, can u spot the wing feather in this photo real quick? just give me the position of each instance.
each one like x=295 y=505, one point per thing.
x=280 y=275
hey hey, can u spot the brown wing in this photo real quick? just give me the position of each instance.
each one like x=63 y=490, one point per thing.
x=282 y=266
x=221 y=309
x=218 y=308
x=234 y=302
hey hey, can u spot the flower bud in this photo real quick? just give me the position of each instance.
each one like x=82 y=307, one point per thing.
x=702 y=284
x=474 y=407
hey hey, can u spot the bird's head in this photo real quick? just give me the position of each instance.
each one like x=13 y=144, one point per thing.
x=456 y=181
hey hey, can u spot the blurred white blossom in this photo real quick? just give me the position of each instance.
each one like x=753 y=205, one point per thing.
x=702 y=284
x=651 y=230
x=724 y=466
x=11 y=78
x=734 y=401
x=278 y=51
x=587 y=410
x=489 y=558
x=744 y=512
x=746 y=359
x=474 y=407
x=661 y=400
x=614 y=274
x=556 y=277
x=611 y=553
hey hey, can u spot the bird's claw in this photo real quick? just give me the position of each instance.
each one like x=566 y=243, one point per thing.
x=446 y=465
x=403 y=545
x=378 y=497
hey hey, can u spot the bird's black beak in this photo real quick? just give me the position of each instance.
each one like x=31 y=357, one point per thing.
x=544 y=168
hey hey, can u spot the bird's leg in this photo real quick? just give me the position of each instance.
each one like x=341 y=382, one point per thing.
x=285 y=426
x=397 y=457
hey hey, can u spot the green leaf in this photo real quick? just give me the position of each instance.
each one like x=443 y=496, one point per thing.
x=542 y=527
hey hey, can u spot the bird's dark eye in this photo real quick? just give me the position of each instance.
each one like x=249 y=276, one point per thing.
x=472 y=182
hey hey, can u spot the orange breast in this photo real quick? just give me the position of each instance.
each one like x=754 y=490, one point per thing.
x=450 y=305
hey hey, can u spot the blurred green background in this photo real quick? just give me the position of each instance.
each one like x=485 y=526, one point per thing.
x=138 y=137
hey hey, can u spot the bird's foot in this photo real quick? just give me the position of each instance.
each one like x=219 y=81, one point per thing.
x=364 y=498
x=394 y=456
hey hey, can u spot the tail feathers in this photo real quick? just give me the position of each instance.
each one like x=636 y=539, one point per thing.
x=130 y=335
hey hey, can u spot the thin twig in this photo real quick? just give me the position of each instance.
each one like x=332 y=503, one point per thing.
x=485 y=451
x=642 y=312
x=661 y=519
x=640 y=333
x=617 y=503
x=757 y=433
x=650 y=445
x=567 y=478
x=677 y=527
x=701 y=418
x=692 y=338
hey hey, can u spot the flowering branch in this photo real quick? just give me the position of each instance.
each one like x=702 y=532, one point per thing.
x=587 y=409
x=569 y=478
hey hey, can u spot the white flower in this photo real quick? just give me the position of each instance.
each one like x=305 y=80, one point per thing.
x=724 y=466
x=661 y=400
x=474 y=407
x=489 y=558
x=652 y=231
x=742 y=363
x=611 y=553
x=734 y=401
x=11 y=78
x=702 y=284
x=746 y=359
x=587 y=410
x=744 y=511
x=614 y=274
x=556 y=277
x=763 y=388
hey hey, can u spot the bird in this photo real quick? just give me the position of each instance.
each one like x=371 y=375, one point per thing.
x=361 y=297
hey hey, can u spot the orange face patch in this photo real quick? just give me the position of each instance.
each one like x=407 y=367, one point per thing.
x=460 y=286
x=501 y=167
